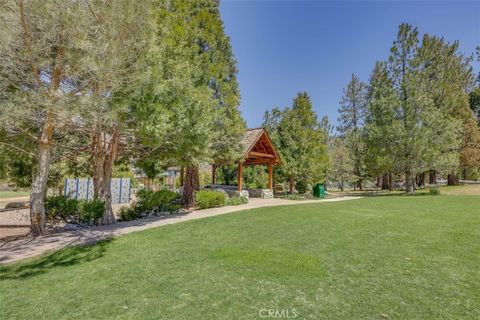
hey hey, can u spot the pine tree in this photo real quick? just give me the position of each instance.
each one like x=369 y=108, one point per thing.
x=299 y=140
x=189 y=108
x=381 y=126
x=474 y=96
x=352 y=112
x=474 y=101
x=448 y=75
x=111 y=81
x=38 y=40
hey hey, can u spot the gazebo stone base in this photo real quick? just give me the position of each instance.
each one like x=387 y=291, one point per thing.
x=243 y=193
x=261 y=193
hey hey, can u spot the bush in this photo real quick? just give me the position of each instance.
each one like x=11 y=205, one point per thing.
x=434 y=191
x=128 y=213
x=209 y=198
x=306 y=196
x=236 y=201
x=91 y=211
x=301 y=187
x=60 y=208
x=294 y=197
x=150 y=202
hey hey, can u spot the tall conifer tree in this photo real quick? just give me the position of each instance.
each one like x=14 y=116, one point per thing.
x=351 y=118
x=190 y=105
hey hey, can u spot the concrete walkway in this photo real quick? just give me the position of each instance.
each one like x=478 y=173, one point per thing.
x=29 y=247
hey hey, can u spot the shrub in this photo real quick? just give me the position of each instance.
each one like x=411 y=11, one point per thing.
x=294 y=197
x=474 y=175
x=236 y=201
x=150 y=202
x=91 y=211
x=434 y=191
x=60 y=208
x=128 y=213
x=209 y=198
x=301 y=187
x=306 y=196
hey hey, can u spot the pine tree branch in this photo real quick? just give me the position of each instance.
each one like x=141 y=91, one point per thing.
x=17 y=148
x=27 y=38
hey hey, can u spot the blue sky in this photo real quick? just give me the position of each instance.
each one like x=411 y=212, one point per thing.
x=283 y=47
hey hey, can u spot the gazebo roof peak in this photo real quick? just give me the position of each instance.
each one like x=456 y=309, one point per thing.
x=257 y=147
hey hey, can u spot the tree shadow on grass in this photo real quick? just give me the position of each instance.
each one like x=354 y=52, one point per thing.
x=64 y=258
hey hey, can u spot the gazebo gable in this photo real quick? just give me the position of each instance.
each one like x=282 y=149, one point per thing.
x=258 y=148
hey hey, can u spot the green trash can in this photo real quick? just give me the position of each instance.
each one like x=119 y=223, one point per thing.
x=319 y=190
x=322 y=190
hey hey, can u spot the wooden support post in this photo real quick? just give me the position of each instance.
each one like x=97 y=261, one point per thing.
x=270 y=176
x=214 y=168
x=240 y=177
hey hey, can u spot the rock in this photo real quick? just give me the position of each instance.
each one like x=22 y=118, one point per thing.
x=267 y=194
x=261 y=193
x=5 y=187
x=133 y=198
x=243 y=193
x=70 y=227
x=16 y=205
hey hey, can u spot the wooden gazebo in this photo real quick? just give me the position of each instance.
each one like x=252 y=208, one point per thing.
x=257 y=149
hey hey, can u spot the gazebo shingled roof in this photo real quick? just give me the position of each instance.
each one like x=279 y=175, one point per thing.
x=257 y=149
x=249 y=138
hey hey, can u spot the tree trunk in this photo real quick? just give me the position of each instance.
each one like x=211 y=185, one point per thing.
x=452 y=179
x=385 y=181
x=191 y=184
x=420 y=179
x=39 y=185
x=292 y=184
x=182 y=174
x=432 y=177
x=104 y=154
x=390 y=181
x=341 y=185
x=409 y=182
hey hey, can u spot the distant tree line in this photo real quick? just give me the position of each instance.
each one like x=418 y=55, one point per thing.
x=416 y=118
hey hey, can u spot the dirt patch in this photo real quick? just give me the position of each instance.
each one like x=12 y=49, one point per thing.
x=17 y=222
x=464 y=190
x=13 y=233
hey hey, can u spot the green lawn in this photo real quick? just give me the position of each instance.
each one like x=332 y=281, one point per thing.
x=13 y=194
x=396 y=257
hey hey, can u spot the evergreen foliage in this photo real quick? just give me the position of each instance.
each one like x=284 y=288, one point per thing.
x=190 y=105
x=351 y=118
x=300 y=141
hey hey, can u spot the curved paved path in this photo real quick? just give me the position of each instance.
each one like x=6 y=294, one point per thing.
x=29 y=247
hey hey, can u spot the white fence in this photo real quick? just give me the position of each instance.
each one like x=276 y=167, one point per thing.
x=82 y=189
